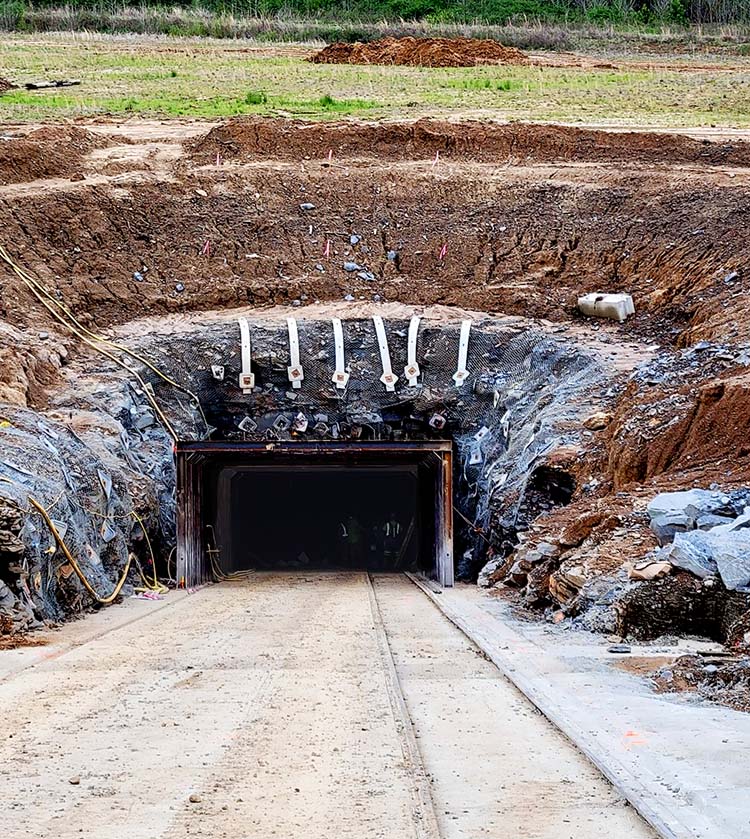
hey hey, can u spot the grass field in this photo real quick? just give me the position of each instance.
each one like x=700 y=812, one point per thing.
x=177 y=77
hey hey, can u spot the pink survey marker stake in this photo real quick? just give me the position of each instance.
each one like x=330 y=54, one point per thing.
x=327 y=251
x=436 y=160
x=443 y=252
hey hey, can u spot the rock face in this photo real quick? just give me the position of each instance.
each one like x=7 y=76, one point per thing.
x=90 y=476
x=680 y=603
x=100 y=450
x=11 y=522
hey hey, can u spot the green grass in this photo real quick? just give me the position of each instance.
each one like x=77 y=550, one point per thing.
x=212 y=79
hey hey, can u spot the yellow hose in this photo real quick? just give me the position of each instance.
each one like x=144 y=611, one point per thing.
x=93 y=340
x=155 y=585
x=150 y=586
x=29 y=278
x=105 y=601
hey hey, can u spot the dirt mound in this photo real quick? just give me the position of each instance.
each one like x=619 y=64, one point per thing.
x=49 y=152
x=257 y=138
x=6 y=85
x=421 y=52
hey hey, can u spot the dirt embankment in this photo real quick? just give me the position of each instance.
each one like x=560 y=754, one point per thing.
x=49 y=152
x=421 y=52
x=262 y=139
x=270 y=235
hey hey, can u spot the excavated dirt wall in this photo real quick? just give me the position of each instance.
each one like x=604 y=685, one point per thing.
x=470 y=141
x=493 y=245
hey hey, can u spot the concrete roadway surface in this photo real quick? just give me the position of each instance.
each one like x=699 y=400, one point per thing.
x=295 y=706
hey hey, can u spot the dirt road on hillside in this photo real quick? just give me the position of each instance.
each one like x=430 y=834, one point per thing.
x=273 y=708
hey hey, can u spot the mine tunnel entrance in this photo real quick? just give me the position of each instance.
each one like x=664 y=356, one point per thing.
x=363 y=506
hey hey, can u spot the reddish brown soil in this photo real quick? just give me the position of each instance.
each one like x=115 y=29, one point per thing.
x=523 y=239
x=11 y=640
x=421 y=52
x=49 y=152
x=262 y=139
x=697 y=423
x=517 y=246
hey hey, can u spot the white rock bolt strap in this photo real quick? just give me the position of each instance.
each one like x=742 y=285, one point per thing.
x=461 y=374
x=247 y=379
x=340 y=376
x=294 y=371
x=411 y=371
x=389 y=378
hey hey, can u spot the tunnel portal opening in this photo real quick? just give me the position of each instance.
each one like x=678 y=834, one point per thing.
x=297 y=506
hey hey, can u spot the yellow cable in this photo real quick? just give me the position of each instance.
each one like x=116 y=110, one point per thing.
x=29 y=278
x=81 y=332
x=109 y=355
x=105 y=601
x=156 y=585
x=151 y=586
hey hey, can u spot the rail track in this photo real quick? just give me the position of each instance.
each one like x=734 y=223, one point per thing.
x=425 y=818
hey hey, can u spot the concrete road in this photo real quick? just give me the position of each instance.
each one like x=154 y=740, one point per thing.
x=307 y=706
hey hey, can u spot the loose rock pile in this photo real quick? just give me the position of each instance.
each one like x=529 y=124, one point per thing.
x=696 y=582
x=719 y=680
x=706 y=533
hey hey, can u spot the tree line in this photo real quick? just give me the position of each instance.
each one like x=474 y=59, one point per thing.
x=450 y=11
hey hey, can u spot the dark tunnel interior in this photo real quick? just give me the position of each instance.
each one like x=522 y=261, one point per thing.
x=317 y=517
x=373 y=507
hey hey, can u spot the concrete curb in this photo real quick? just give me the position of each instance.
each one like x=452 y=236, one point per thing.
x=655 y=807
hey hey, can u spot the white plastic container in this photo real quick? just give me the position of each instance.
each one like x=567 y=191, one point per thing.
x=613 y=306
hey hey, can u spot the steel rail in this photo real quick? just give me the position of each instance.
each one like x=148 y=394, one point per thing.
x=424 y=816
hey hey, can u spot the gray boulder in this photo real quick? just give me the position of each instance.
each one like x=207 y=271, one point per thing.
x=692 y=552
x=666 y=525
x=706 y=554
x=731 y=553
x=692 y=502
